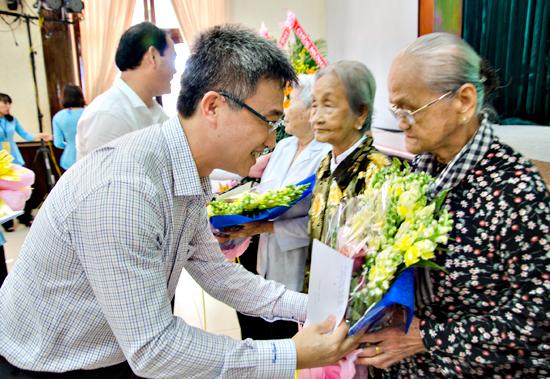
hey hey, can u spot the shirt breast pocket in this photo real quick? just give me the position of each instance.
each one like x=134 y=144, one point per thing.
x=185 y=252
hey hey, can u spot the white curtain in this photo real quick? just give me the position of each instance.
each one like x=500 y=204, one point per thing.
x=197 y=15
x=104 y=23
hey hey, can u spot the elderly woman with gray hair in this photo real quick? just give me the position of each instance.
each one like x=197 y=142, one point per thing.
x=283 y=242
x=489 y=316
x=341 y=113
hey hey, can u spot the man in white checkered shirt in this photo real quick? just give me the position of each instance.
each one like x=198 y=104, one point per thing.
x=90 y=293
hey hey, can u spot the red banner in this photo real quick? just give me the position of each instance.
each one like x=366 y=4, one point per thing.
x=292 y=23
x=309 y=45
x=284 y=37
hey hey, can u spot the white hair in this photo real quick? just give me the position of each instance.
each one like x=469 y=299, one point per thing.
x=448 y=62
x=359 y=87
x=305 y=89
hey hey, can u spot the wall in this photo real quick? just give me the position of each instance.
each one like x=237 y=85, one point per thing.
x=16 y=75
x=372 y=32
x=310 y=13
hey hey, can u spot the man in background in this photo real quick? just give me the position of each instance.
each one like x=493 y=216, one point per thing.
x=146 y=58
x=90 y=293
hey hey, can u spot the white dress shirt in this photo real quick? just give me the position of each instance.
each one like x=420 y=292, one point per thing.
x=93 y=282
x=112 y=114
x=282 y=255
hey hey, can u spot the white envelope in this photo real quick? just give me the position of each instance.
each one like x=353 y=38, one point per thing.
x=329 y=282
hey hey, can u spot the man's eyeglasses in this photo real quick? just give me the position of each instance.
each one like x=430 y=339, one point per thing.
x=272 y=125
x=408 y=115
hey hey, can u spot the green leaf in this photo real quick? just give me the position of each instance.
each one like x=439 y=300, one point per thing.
x=402 y=267
x=430 y=264
x=439 y=198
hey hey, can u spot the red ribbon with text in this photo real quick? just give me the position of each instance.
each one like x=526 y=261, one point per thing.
x=293 y=24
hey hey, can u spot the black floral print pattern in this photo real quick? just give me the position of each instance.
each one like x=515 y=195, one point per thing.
x=491 y=315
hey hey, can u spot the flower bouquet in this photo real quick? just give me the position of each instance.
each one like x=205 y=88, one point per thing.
x=255 y=205
x=387 y=230
x=306 y=55
x=15 y=182
x=390 y=228
x=301 y=58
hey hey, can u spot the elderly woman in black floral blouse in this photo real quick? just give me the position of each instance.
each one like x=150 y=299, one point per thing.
x=489 y=317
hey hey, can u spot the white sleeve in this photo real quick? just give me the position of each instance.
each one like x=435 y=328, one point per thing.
x=218 y=174
x=96 y=129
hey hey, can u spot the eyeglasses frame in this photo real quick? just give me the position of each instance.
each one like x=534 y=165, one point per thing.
x=410 y=115
x=272 y=125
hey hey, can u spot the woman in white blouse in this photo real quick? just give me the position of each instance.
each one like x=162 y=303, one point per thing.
x=283 y=245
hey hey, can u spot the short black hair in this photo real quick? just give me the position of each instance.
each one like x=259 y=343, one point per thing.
x=5 y=98
x=135 y=42
x=72 y=97
x=231 y=58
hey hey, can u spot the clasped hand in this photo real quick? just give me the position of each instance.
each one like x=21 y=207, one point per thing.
x=249 y=229
x=391 y=344
x=314 y=348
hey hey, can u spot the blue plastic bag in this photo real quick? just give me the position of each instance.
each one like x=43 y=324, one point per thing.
x=401 y=292
x=220 y=222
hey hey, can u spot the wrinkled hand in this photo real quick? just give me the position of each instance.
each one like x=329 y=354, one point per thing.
x=315 y=349
x=221 y=239
x=250 y=229
x=257 y=170
x=393 y=344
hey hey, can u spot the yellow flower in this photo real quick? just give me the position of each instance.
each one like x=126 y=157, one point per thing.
x=310 y=71
x=5 y=162
x=426 y=212
x=398 y=190
x=361 y=175
x=299 y=67
x=286 y=103
x=288 y=90
x=411 y=256
x=409 y=203
x=379 y=275
x=402 y=210
x=375 y=244
x=405 y=242
x=427 y=255
x=426 y=249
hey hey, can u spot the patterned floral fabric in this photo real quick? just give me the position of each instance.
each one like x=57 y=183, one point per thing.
x=490 y=317
x=348 y=180
x=449 y=176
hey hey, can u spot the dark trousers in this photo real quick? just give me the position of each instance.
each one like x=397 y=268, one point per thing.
x=256 y=327
x=120 y=371
x=26 y=217
x=3 y=266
